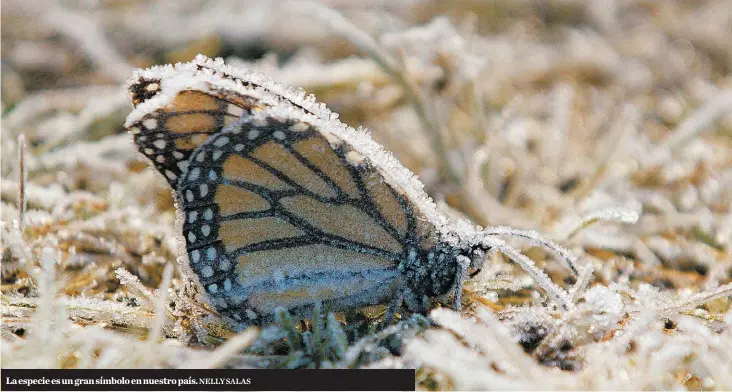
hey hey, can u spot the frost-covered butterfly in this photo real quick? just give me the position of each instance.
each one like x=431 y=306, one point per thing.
x=283 y=205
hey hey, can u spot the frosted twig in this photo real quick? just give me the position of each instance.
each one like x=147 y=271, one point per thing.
x=21 y=182
x=535 y=238
x=47 y=288
x=495 y=344
x=632 y=328
x=609 y=214
x=700 y=120
x=555 y=292
x=554 y=145
x=90 y=153
x=486 y=206
x=553 y=338
x=626 y=124
x=224 y=353
x=697 y=299
x=101 y=311
x=583 y=279
x=90 y=38
x=38 y=104
x=133 y=282
x=161 y=304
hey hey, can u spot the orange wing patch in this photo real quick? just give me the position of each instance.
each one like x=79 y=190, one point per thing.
x=239 y=233
x=190 y=123
x=386 y=201
x=239 y=168
x=345 y=221
x=233 y=199
x=274 y=155
x=192 y=101
x=318 y=151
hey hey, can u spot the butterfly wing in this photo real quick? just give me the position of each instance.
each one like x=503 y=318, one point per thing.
x=280 y=212
x=178 y=107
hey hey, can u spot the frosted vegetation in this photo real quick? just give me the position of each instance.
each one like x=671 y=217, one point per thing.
x=591 y=139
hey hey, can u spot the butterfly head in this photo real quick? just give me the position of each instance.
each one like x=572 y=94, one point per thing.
x=439 y=271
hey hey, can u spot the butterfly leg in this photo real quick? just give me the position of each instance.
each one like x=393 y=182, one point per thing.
x=462 y=273
x=394 y=306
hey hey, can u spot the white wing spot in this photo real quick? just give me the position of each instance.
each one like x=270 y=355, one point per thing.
x=212 y=175
x=178 y=155
x=170 y=175
x=217 y=154
x=227 y=285
x=189 y=196
x=213 y=288
x=195 y=256
x=160 y=159
x=220 y=142
x=134 y=130
x=279 y=135
x=207 y=271
x=235 y=110
x=224 y=265
x=260 y=122
x=150 y=123
x=191 y=237
x=239 y=147
x=355 y=158
x=159 y=144
x=183 y=165
x=211 y=253
x=193 y=175
x=152 y=87
x=149 y=151
x=299 y=127
x=251 y=314
x=208 y=214
x=252 y=134
x=205 y=230
x=192 y=216
x=201 y=156
x=203 y=188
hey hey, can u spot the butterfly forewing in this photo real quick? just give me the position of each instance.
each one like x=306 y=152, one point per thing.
x=280 y=212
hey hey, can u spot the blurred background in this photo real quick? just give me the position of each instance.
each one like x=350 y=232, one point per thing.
x=573 y=118
x=542 y=102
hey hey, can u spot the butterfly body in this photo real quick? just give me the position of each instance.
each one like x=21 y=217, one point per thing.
x=282 y=205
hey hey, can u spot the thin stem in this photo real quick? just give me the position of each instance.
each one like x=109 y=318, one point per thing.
x=535 y=237
x=21 y=182
x=348 y=30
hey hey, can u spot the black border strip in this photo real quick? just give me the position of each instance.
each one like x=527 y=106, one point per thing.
x=208 y=379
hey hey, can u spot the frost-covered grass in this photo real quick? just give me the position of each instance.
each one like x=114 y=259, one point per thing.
x=602 y=126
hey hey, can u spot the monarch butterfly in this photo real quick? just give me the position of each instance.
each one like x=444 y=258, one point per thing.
x=283 y=205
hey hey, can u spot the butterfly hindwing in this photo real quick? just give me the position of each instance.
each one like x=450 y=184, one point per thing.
x=278 y=212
